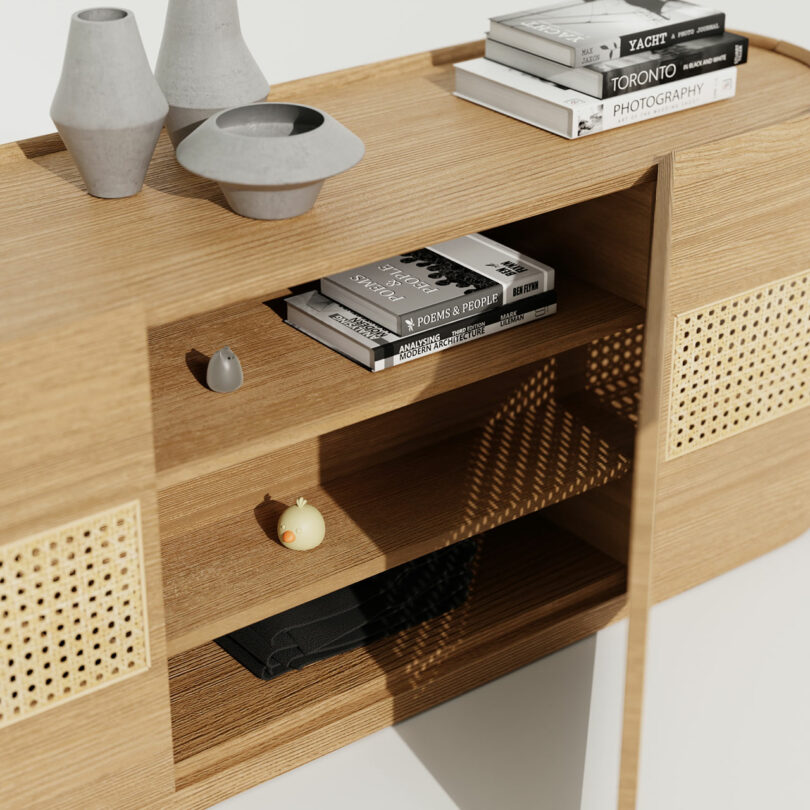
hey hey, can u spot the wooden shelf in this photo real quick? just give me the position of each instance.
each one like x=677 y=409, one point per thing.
x=103 y=298
x=533 y=452
x=446 y=168
x=537 y=589
x=295 y=388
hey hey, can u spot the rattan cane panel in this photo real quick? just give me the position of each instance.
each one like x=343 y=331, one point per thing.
x=613 y=370
x=738 y=363
x=72 y=612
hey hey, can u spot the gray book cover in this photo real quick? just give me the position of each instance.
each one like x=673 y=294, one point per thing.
x=582 y=32
x=376 y=348
x=440 y=284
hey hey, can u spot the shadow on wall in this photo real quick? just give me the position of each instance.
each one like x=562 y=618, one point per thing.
x=518 y=743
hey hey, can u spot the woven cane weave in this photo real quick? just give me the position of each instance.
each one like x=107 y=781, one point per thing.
x=739 y=363
x=72 y=612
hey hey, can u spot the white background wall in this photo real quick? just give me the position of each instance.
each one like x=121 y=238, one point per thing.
x=727 y=709
x=546 y=737
x=293 y=39
x=726 y=723
x=727 y=703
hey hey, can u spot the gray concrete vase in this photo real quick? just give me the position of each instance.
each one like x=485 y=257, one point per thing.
x=108 y=107
x=204 y=65
x=270 y=159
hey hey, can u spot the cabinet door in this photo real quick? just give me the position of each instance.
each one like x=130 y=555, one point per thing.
x=734 y=452
x=84 y=710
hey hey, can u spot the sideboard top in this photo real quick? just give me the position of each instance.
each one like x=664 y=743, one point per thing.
x=435 y=167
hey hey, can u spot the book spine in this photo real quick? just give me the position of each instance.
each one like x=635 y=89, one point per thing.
x=652 y=39
x=462 y=330
x=440 y=314
x=655 y=101
x=619 y=81
x=663 y=36
x=416 y=349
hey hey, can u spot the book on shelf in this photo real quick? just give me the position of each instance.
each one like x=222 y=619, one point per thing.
x=583 y=32
x=376 y=347
x=573 y=114
x=629 y=73
x=418 y=291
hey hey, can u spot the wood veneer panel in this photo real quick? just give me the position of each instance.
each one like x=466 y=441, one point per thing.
x=76 y=439
x=447 y=168
x=601 y=516
x=76 y=425
x=616 y=253
x=646 y=466
x=741 y=214
x=741 y=219
x=533 y=452
x=383 y=439
x=537 y=589
x=295 y=388
x=731 y=502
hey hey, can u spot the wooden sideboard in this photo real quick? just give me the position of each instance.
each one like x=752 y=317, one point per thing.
x=641 y=441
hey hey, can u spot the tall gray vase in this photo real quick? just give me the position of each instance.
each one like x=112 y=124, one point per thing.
x=204 y=65
x=108 y=107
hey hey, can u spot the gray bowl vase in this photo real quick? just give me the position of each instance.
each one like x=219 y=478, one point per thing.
x=204 y=65
x=270 y=159
x=108 y=107
x=224 y=372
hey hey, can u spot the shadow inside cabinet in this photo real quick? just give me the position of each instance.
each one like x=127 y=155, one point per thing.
x=535 y=460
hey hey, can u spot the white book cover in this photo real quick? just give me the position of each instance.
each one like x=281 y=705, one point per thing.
x=573 y=114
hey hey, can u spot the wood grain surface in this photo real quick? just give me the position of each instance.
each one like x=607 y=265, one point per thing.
x=532 y=452
x=646 y=466
x=615 y=256
x=741 y=218
x=446 y=168
x=295 y=388
x=76 y=439
x=532 y=580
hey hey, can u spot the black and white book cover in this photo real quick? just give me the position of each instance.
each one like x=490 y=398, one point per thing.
x=573 y=114
x=377 y=348
x=583 y=32
x=439 y=284
x=630 y=73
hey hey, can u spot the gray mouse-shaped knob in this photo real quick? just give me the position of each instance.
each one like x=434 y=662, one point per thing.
x=224 y=372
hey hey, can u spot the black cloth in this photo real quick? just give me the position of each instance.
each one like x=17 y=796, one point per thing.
x=357 y=615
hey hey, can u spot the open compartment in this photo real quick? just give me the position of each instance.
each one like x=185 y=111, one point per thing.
x=390 y=488
x=536 y=588
x=509 y=437
x=295 y=388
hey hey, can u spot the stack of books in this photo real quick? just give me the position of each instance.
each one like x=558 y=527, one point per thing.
x=574 y=67
x=419 y=303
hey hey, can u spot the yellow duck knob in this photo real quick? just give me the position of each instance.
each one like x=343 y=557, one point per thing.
x=301 y=527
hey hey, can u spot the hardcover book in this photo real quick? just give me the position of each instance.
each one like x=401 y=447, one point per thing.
x=439 y=284
x=583 y=32
x=629 y=73
x=572 y=114
x=376 y=348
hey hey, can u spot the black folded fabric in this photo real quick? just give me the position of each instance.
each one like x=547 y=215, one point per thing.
x=356 y=615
